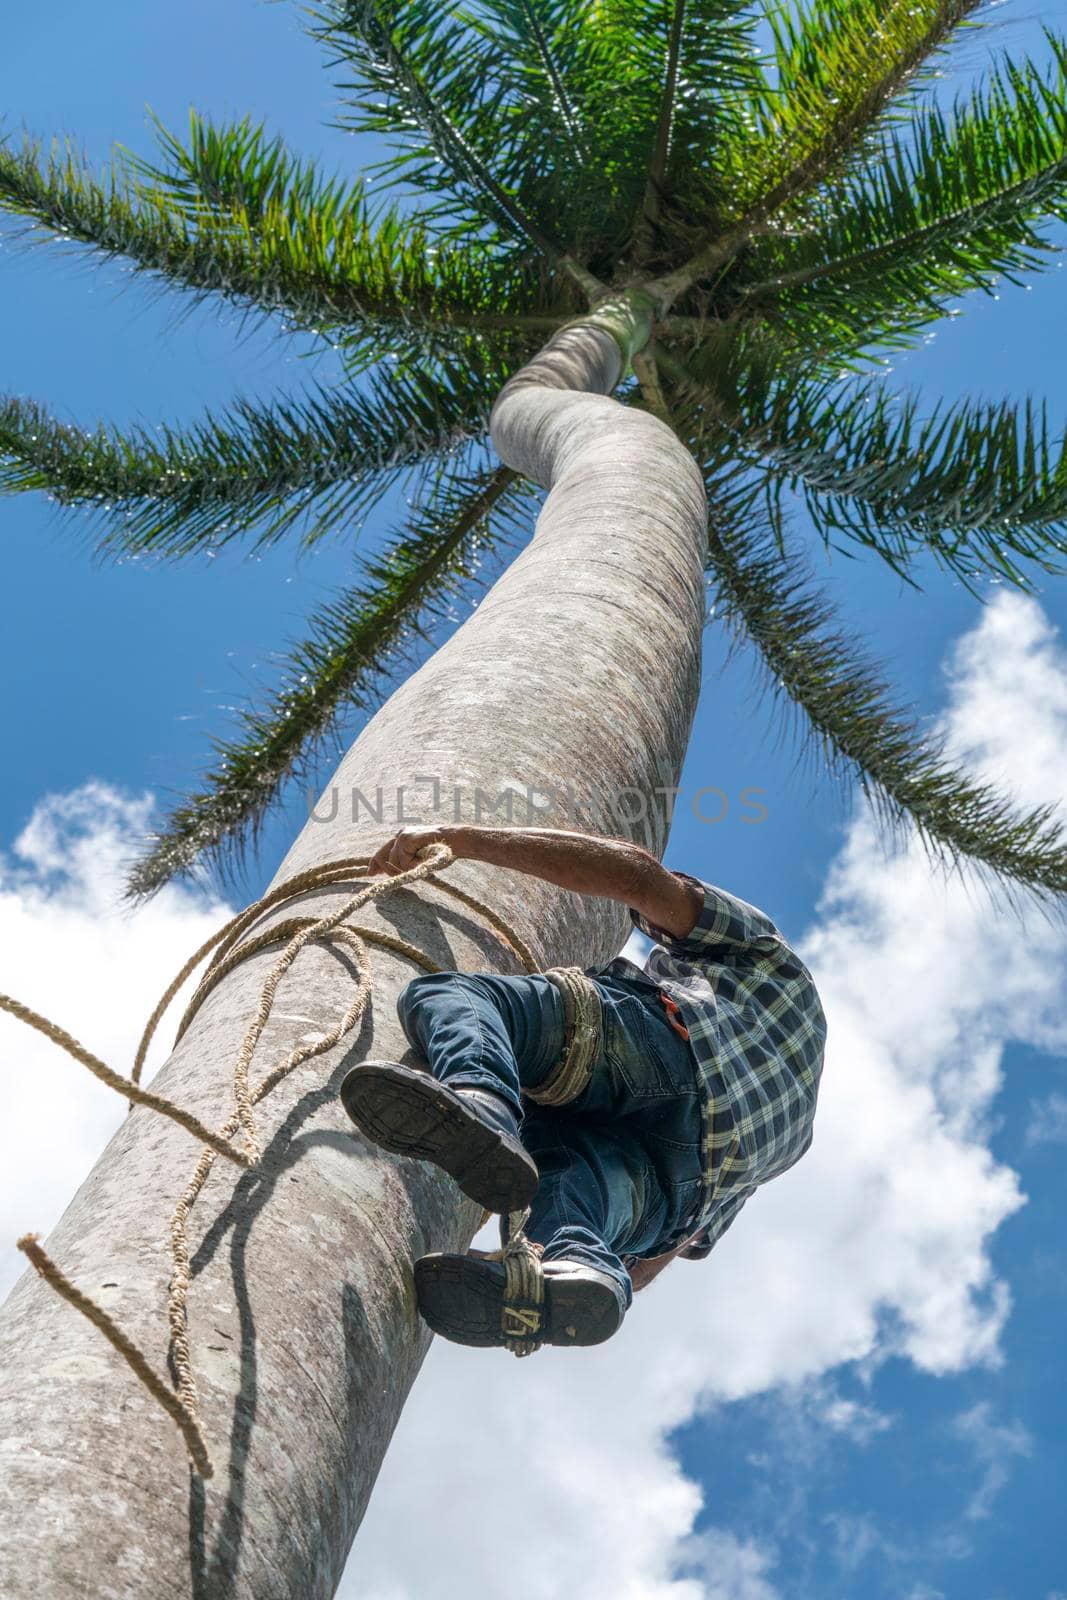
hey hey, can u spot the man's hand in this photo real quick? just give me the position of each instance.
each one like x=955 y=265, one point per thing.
x=586 y=863
x=401 y=851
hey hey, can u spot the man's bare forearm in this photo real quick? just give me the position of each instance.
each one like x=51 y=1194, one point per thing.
x=586 y=863
x=583 y=862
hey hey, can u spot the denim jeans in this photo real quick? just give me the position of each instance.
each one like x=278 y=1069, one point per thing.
x=621 y=1165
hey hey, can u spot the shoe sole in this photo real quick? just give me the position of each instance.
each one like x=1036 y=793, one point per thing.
x=410 y=1114
x=462 y=1297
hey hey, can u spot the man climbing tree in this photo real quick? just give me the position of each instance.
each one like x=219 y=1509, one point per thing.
x=656 y=257
x=656 y=1098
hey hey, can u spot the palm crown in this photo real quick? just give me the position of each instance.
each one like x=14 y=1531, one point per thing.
x=789 y=213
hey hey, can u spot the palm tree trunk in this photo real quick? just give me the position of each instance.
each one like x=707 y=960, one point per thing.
x=580 y=667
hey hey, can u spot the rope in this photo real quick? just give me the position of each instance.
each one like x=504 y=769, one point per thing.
x=522 y=1314
x=581 y=1010
x=525 y=1283
x=170 y=1402
x=114 y=1080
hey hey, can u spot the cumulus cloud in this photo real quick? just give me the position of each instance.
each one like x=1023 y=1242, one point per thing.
x=72 y=952
x=876 y=1244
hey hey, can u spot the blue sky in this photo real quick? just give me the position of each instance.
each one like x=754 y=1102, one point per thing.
x=885 y=1467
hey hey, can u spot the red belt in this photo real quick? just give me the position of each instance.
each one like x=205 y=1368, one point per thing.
x=673 y=1015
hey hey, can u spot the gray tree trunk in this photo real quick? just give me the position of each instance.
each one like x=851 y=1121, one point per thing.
x=580 y=667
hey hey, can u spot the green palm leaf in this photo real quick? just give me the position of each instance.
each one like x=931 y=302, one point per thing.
x=838 y=66
x=417 y=70
x=565 y=133
x=698 y=58
x=354 y=643
x=237 y=167
x=313 y=463
x=848 y=715
x=234 y=215
x=540 y=118
x=541 y=42
x=951 y=207
x=978 y=484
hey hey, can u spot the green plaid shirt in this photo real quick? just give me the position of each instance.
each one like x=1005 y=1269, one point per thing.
x=757 y=1031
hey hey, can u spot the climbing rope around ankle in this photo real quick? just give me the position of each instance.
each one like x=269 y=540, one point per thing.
x=522 y=1315
x=227 y=950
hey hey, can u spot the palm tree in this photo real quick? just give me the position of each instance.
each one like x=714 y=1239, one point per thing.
x=615 y=198
x=792 y=217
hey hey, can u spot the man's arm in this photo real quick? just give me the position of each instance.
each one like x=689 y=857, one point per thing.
x=586 y=863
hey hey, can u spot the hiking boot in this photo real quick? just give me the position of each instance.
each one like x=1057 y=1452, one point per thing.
x=472 y=1134
x=462 y=1298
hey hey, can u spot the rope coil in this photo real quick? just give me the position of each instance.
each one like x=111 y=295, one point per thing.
x=227 y=950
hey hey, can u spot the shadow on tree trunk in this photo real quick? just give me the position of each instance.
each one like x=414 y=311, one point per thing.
x=214 y=1572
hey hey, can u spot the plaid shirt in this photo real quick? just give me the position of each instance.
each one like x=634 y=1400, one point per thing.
x=757 y=1031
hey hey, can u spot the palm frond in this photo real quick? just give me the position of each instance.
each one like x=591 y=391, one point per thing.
x=950 y=208
x=312 y=462
x=534 y=49
x=979 y=484
x=555 y=140
x=766 y=597
x=707 y=69
x=418 y=71
x=355 y=643
x=837 y=68
x=543 y=38
x=538 y=118
x=837 y=65
x=238 y=167
x=234 y=215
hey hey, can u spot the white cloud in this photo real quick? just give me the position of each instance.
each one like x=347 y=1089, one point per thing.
x=730 y=1568
x=856 y=1421
x=858 y=1538
x=73 y=953
x=1048 y=1120
x=875 y=1244
x=1009 y=697
x=994 y=1445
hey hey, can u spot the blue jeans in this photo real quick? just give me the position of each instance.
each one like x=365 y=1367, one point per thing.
x=620 y=1165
